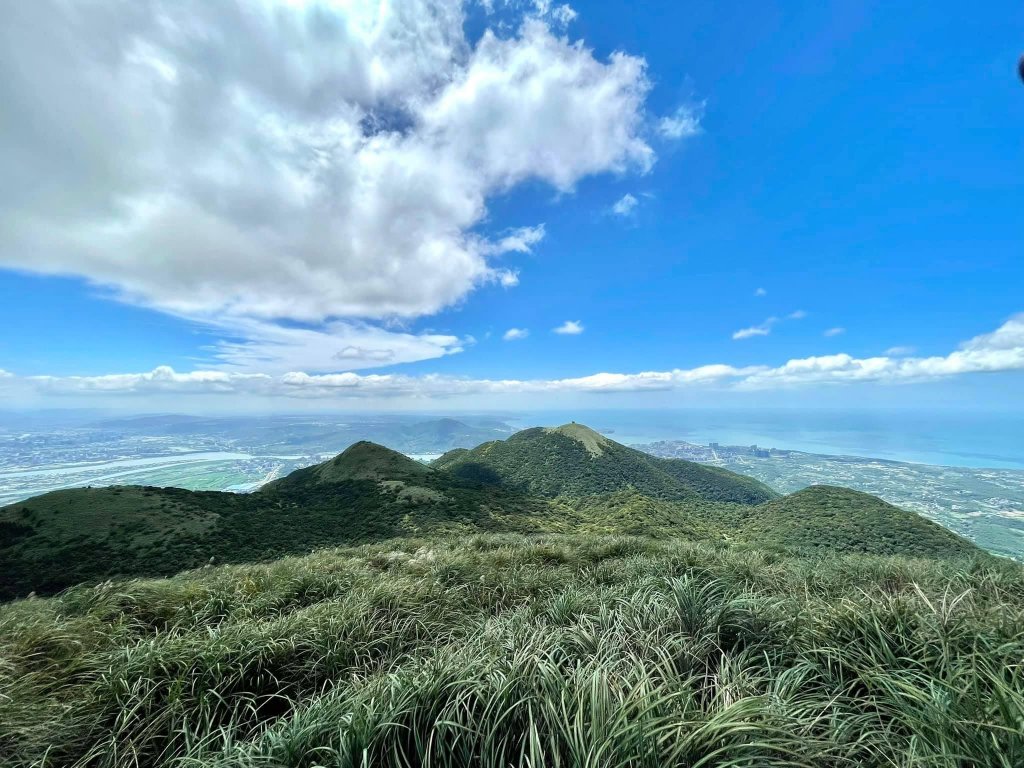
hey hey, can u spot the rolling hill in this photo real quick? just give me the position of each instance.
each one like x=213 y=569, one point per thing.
x=574 y=460
x=551 y=599
x=564 y=480
x=824 y=518
x=367 y=493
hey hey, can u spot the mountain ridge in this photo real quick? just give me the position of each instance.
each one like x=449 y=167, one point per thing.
x=575 y=460
x=561 y=480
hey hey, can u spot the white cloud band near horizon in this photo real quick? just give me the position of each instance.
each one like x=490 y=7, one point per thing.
x=1000 y=350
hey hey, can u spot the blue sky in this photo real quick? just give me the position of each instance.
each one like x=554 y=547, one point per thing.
x=843 y=177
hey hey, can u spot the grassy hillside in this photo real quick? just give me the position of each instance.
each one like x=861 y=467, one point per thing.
x=62 y=538
x=368 y=493
x=570 y=480
x=494 y=651
x=824 y=517
x=361 y=461
x=573 y=460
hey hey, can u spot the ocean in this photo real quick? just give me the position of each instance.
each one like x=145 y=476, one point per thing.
x=950 y=438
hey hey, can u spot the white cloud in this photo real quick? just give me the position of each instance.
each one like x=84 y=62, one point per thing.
x=763 y=329
x=515 y=334
x=519 y=240
x=272 y=348
x=760 y=292
x=900 y=351
x=999 y=351
x=569 y=328
x=834 y=332
x=276 y=160
x=625 y=205
x=160 y=379
x=683 y=123
x=561 y=14
x=748 y=333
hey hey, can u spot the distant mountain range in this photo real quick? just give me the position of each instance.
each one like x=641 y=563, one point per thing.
x=570 y=479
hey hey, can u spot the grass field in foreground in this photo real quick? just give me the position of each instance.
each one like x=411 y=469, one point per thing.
x=509 y=650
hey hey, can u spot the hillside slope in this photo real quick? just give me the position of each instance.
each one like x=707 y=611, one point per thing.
x=574 y=460
x=361 y=461
x=367 y=493
x=569 y=480
x=496 y=651
x=86 y=534
x=827 y=518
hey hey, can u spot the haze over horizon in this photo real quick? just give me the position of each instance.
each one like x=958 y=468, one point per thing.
x=436 y=205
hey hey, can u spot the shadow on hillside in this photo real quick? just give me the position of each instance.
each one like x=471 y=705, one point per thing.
x=476 y=472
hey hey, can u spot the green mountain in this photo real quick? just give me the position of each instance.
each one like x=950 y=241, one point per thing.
x=367 y=493
x=361 y=461
x=657 y=613
x=826 y=518
x=565 y=480
x=574 y=460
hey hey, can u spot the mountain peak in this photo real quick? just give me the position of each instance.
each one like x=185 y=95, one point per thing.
x=369 y=461
x=573 y=460
x=593 y=441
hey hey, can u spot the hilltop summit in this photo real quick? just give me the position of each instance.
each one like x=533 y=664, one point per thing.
x=594 y=442
x=369 y=461
x=362 y=461
x=575 y=460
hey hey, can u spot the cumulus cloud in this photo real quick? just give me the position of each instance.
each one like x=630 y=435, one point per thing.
x=304 y=161
x=681 y=124
x=834 y=332
x=900 y=351
x=515 y=334
x=625 y=205
x=797 y=315
x=999 y=351
x=569 y=328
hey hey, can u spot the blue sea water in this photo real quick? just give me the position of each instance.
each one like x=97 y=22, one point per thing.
x=950 y=438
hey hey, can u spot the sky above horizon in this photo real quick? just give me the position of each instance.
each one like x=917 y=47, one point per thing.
x=289 y=204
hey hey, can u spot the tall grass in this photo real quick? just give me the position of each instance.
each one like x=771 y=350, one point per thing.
x=505 y=650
